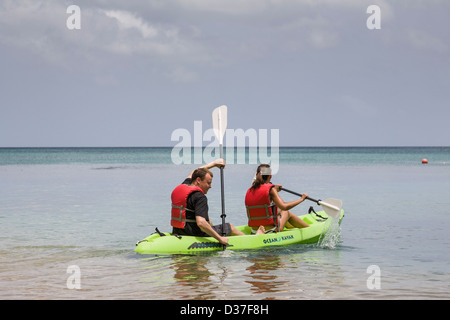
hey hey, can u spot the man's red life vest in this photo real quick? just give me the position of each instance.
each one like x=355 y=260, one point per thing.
x=260 y=210
x=179 y=202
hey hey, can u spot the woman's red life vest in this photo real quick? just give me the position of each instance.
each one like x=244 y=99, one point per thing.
x=179 y=202
x=260 y=210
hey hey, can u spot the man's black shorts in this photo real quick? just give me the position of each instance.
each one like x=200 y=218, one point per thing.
x=217 y=228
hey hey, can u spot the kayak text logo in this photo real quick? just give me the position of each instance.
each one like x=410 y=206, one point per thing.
x=236 y=149
x=279 y=239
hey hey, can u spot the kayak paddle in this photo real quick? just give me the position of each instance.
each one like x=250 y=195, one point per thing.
x=332 y=207
x=219 y=118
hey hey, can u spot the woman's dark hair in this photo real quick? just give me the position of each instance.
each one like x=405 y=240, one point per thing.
x=263 y=174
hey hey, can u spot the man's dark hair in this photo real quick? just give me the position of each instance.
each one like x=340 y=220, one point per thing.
x=200 y=173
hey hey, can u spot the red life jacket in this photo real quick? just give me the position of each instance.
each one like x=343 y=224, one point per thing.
x=260 y=210
x=179 y=202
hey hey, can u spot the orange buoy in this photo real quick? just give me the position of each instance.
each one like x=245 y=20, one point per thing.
x=424 y=161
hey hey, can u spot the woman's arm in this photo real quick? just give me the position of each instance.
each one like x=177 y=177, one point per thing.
x=280 y=203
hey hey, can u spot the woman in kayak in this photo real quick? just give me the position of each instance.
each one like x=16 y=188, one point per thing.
x=266 y=211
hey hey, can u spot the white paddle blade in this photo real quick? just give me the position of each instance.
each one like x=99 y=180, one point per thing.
x=219 y=118
x=332 y=207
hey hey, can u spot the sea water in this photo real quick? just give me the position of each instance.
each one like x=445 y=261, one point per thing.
x=331 y=237
x=70 y=218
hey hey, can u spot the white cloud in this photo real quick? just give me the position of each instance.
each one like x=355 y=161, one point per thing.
x=31 y=25
x=323 y=39
x=191 y=32
x=40 y=27
x=128 y=20
x=194 y=33
x=232 y=7
x=422 y=40
x=181 y=75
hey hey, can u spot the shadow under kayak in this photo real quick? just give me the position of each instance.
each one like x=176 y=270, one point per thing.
x=167 y=243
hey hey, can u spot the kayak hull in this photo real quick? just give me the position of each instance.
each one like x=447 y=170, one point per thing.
x=166 y=243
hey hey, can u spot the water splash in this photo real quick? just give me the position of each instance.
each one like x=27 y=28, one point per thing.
x=331 y=238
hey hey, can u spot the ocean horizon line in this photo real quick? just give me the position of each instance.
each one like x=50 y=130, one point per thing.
x=235 y=147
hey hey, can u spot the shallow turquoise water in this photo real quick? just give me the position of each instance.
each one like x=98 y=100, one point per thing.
x=88 y=207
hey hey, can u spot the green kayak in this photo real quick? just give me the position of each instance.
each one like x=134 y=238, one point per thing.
x=167 y=243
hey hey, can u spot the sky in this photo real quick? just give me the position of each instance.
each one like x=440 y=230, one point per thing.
x=136 y=71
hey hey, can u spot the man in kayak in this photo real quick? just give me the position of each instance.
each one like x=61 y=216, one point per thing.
x=266 y=211
x=190 y=206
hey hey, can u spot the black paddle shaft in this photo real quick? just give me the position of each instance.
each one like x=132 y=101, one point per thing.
x=223 y=216
x=300 y=195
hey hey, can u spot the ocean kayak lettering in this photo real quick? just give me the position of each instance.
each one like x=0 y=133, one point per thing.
x=279 y=239
x=205 y=245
